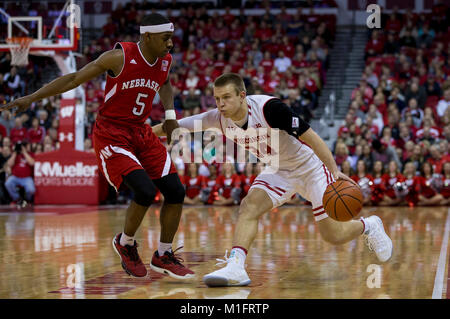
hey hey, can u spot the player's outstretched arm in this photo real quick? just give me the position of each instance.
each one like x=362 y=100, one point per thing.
x=108 y=60
x=158 y=130
x=322 y=151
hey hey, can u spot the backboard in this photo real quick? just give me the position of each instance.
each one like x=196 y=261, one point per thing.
x=53 y=27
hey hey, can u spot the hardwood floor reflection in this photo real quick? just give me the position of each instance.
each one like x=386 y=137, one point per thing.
x=65 y=252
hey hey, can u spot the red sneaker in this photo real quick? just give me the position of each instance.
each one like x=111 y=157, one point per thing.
x=170 y=264
x=131 y=262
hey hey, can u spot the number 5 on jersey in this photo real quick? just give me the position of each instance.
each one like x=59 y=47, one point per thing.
x=139 y=103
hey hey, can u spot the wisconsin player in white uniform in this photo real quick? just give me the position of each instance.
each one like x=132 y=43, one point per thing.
x=305 y=165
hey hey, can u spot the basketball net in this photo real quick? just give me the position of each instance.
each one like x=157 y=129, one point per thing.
x=19 y=48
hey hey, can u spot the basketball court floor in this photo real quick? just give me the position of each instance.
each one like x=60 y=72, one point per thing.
x=65 y=252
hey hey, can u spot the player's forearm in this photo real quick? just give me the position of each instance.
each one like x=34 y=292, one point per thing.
x=166 y=95
x=320 y=149
x=60 y=85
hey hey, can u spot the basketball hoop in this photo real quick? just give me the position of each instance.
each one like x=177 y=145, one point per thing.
x=19 y=48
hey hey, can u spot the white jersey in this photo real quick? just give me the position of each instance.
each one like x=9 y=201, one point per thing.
x=284 y=151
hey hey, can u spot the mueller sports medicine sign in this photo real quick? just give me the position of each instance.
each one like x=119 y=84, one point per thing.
x=66 y=176
x=56 y=174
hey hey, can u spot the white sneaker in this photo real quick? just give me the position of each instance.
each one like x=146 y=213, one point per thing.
x=376 y=238
x=232 y=274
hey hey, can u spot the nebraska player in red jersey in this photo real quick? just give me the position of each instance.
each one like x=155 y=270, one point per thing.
x=127 y=150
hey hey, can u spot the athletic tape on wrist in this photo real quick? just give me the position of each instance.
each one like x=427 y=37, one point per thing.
x=171 y=115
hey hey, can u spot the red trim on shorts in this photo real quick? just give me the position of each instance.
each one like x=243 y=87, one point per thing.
x=320 y=213
x=319 y=207
x=268 y=186
x=325 y=171
x=279 y=188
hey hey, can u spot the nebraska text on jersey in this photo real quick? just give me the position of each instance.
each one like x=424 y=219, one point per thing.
x=141 y=83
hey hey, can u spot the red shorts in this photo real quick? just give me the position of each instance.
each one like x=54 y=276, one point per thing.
x=123 y=149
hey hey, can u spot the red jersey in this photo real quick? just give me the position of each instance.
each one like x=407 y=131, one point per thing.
x=226 y=184
x=18 y=134
x=21 y=168
x=129 y=95
x=390 y=181
x=426 y=186
x=378 y=188
x=193 y=185
x=413 y=195
x=445 y=190
x=246 y=183
x=36 y=135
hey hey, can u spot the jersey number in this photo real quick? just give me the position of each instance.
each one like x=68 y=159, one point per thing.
x=139 y=103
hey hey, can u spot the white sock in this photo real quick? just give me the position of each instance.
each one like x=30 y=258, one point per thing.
x=126 y=240
x=366 y=226
x=163 y=247
x=239 y=256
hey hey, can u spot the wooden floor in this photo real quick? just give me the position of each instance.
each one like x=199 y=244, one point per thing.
x=65 y=252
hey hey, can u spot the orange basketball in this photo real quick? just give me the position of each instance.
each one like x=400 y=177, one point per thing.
x=342 y=200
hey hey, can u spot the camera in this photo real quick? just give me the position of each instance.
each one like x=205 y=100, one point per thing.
x=18 y=147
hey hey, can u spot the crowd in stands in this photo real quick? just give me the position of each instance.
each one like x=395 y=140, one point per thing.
x=395 y=138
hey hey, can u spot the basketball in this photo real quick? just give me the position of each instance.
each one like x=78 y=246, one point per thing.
x=342 y=200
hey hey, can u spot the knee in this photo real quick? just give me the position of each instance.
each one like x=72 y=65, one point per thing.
x=145 y=196
x=249 y=209
x=175 y=195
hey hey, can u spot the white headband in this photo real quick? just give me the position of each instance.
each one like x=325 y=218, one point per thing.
x=168 y=27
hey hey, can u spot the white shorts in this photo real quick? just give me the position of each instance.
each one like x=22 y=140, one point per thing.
x=309 y=181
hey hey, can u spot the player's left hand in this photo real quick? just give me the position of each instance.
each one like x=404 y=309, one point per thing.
x=340 y=175
x=169 y=126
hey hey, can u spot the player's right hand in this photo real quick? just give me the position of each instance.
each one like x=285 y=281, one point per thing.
x=17 y=106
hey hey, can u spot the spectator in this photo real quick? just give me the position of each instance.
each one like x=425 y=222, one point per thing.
x=12 y=79
x=36 y=133
x=18 y=132
x=416 y=113
x=408 y=40
x=443 y=103
x=191 y=103
x=417 y=92
x=207 y=100
x=282 y=62
x=384 y=153
x=21 y=164
x=4 y=156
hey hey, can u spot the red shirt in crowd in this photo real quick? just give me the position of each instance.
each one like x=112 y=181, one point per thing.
x=18 y=134
x=445 y=190
x=3 y=131
x=21 y=168
x=226 y=184
x=390 y=181
x=246 y=182
x=36 y=135
x=193 y=185
x=425 y=186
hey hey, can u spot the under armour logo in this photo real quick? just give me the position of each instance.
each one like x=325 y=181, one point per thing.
x=63 y=136
x=133 y=62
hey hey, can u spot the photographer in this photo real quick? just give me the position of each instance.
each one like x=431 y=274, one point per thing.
x=21 y=164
